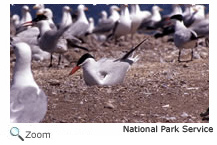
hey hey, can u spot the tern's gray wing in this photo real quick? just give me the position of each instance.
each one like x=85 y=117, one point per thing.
x=110 y=65
x=78 y=29
x=26 y=105
x=201 y=27
x=188 y=20
x=112 y=72
x=53 y=26
x=49 y=40
x=28 y=36
x=183 y=38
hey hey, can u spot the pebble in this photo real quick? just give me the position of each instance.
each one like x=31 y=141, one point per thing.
x=109 y=105
x=203 y=55
x=166 y=106
x=196 y=55
x=184 y=114
x=54 y=82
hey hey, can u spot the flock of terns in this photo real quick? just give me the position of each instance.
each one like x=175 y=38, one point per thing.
x=40 y=37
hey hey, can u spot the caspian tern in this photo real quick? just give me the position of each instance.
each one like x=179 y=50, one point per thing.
x=114 y=15
x=137 y=17
x=51 y=40
x=176 y=9
x=26 y=16
x=105 y=24
x=104 y=17
x=183 y=37
x=66 y=17
x=105 y=71
x=38 y=7
x=123 y=25
x=153 y=21
x=28 y=103
x=201 y=27
x=91 y=26
x=49 y=14
x=29 y=36
x=195 y=13
x=80 y=27
x=188 y=15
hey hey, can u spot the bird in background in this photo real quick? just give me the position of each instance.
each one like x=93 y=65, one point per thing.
x=184 y=38
x=28 y=103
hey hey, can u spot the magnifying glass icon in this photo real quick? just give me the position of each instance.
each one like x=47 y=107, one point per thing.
x=15 y=132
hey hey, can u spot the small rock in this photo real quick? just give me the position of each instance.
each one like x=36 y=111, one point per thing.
x=196 y=55
x=203 y=55
x=185 y=66
x=109 y=105
x=184 y=114
x=54 y=83
x=170 y=118
x=193 y=88
x=109 y=91
x=166 y=106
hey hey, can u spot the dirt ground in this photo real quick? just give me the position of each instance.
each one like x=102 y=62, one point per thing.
x=157 y=88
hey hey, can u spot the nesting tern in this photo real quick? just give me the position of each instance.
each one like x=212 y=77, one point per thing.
x=105 y=71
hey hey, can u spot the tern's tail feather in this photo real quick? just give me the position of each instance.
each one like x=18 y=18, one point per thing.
x=134 y=59
x=132 y=50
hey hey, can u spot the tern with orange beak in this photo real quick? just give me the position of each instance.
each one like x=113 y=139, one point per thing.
x=105 y=71
x=80 y=27
x=52 y=40
x=184 y=38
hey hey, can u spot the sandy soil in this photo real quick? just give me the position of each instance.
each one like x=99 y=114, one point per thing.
x=156 y=89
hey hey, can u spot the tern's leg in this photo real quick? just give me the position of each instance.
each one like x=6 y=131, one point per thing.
x=132 y=36
x=192 y=54
x=132 y=39
x=207 y=42
x=125 y=38
x=179 y=55
x=51 y=59
x=116 y=40
x=59 y=59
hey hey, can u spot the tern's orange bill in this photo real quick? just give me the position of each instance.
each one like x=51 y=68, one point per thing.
x=74 y=70
x=86 y=8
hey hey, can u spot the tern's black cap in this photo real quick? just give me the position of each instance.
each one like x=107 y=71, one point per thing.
x=40 y=18
x=83 y=58
x=177 y=17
